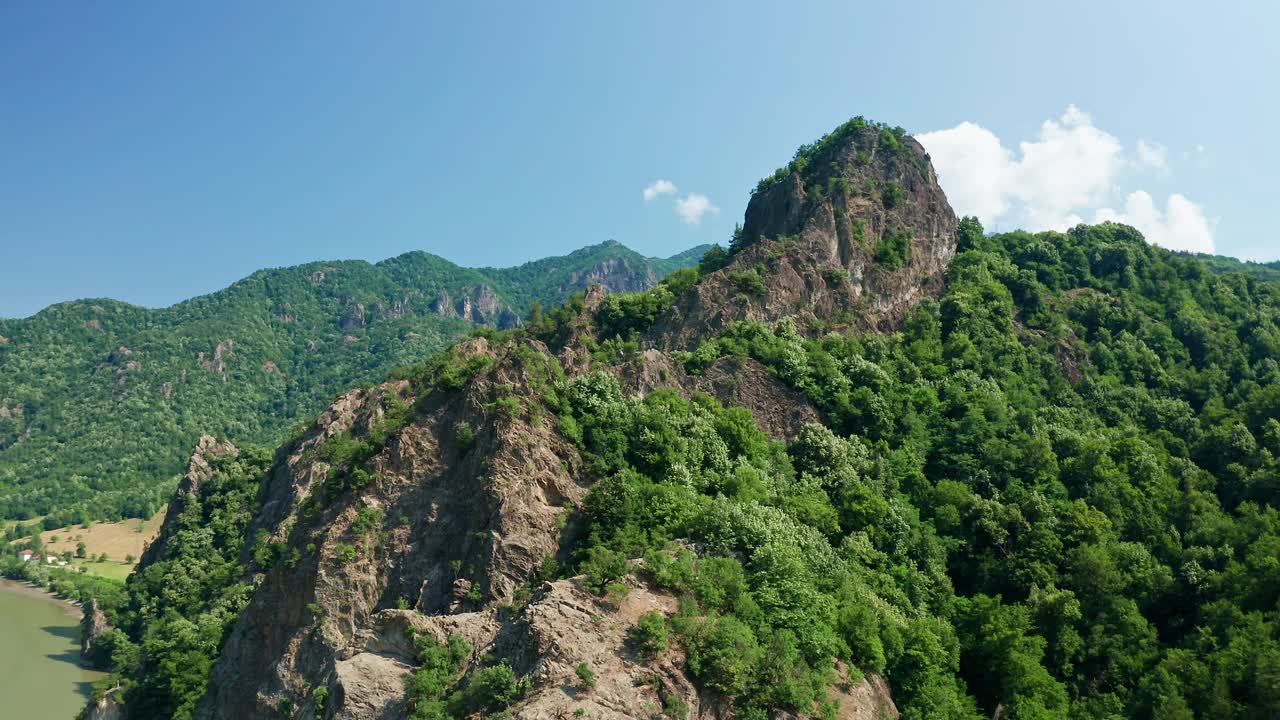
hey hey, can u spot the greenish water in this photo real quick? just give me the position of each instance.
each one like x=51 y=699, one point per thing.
x=40 y=674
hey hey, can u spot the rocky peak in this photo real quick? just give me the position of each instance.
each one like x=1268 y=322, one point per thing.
x=199 y=470
x=854 y=231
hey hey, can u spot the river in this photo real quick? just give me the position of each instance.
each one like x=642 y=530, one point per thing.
x=40 y=673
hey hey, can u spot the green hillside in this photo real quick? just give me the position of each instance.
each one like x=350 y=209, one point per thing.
x=100 y=401
x=1221 y=264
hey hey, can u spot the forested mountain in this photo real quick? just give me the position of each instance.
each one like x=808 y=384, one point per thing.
x=1263 y=271
x=868 y=462
x=100 y=400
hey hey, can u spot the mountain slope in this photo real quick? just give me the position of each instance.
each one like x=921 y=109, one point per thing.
x=1044 y=489
x=97 y=397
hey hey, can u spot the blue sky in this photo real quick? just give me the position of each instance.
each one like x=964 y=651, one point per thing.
x=151 y=151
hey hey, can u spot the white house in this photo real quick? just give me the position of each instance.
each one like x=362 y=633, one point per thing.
x=25 y=555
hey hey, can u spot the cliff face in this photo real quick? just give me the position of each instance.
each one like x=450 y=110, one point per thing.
x=855 y=236
x=615 y=274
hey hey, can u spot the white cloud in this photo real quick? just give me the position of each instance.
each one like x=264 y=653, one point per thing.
x=693 y=206
x=1070 y=165
x=1182 y=225
x=1070 y=170
x=659 y=187
x=1152 y=155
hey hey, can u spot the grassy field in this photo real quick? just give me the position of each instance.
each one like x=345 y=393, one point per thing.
x=122 y=542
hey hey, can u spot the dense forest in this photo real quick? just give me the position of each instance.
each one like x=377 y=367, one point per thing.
x=100 y=400
x=1261 y=270
x=1051 y=492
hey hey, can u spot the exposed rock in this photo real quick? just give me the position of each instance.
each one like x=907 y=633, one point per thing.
x=198 y=471
x=354 y=318
x=93 y=324
x=13 y=412
x=106 y=708
x=443 y=305
x=489 y=510
x=117 y=356
x=218 y=363
x=814 y=247
x=4 y=340
x=270 y=367
x=479 y=305
x=779 y=410
x=563 y=625
x=615 y=275
x=399 y=308
x=371 y=686
x=92 y=628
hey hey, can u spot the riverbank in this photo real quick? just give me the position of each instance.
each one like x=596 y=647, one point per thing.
x=70 y=607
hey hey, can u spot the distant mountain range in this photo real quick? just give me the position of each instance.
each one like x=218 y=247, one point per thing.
x=100 y=400
x=1222 y=264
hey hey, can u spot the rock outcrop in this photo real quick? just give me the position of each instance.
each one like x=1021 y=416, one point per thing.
x=856 y=242
x=470 y=500
x=479 y=305
x=92 y=627
x=615 y=275
x=198 y=472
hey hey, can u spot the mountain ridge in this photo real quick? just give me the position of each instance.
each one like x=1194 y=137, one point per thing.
x=96 y=394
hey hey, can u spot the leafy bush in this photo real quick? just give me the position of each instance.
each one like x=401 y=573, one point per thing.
x=891 y=194
x=750 y=282
x=649 y=634
x=490 y=689
x=586 y=676
x=428 y=688
x=894 y=250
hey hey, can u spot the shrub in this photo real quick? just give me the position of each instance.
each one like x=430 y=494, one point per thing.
x=836 y=275
x=723 y=654
x=586 y=678
x=426 y=689
x=602 y=567
x=491 y=689
x=649 y=634
x=367 y=519
x=891 y=194
x=344 y=553
x=320 y=700
x=750 y=281
x=894 y=250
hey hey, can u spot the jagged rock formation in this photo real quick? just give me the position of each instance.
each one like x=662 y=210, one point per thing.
x=198 y=472
x=479 y=305
x=92 y=628
x=858 y=242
